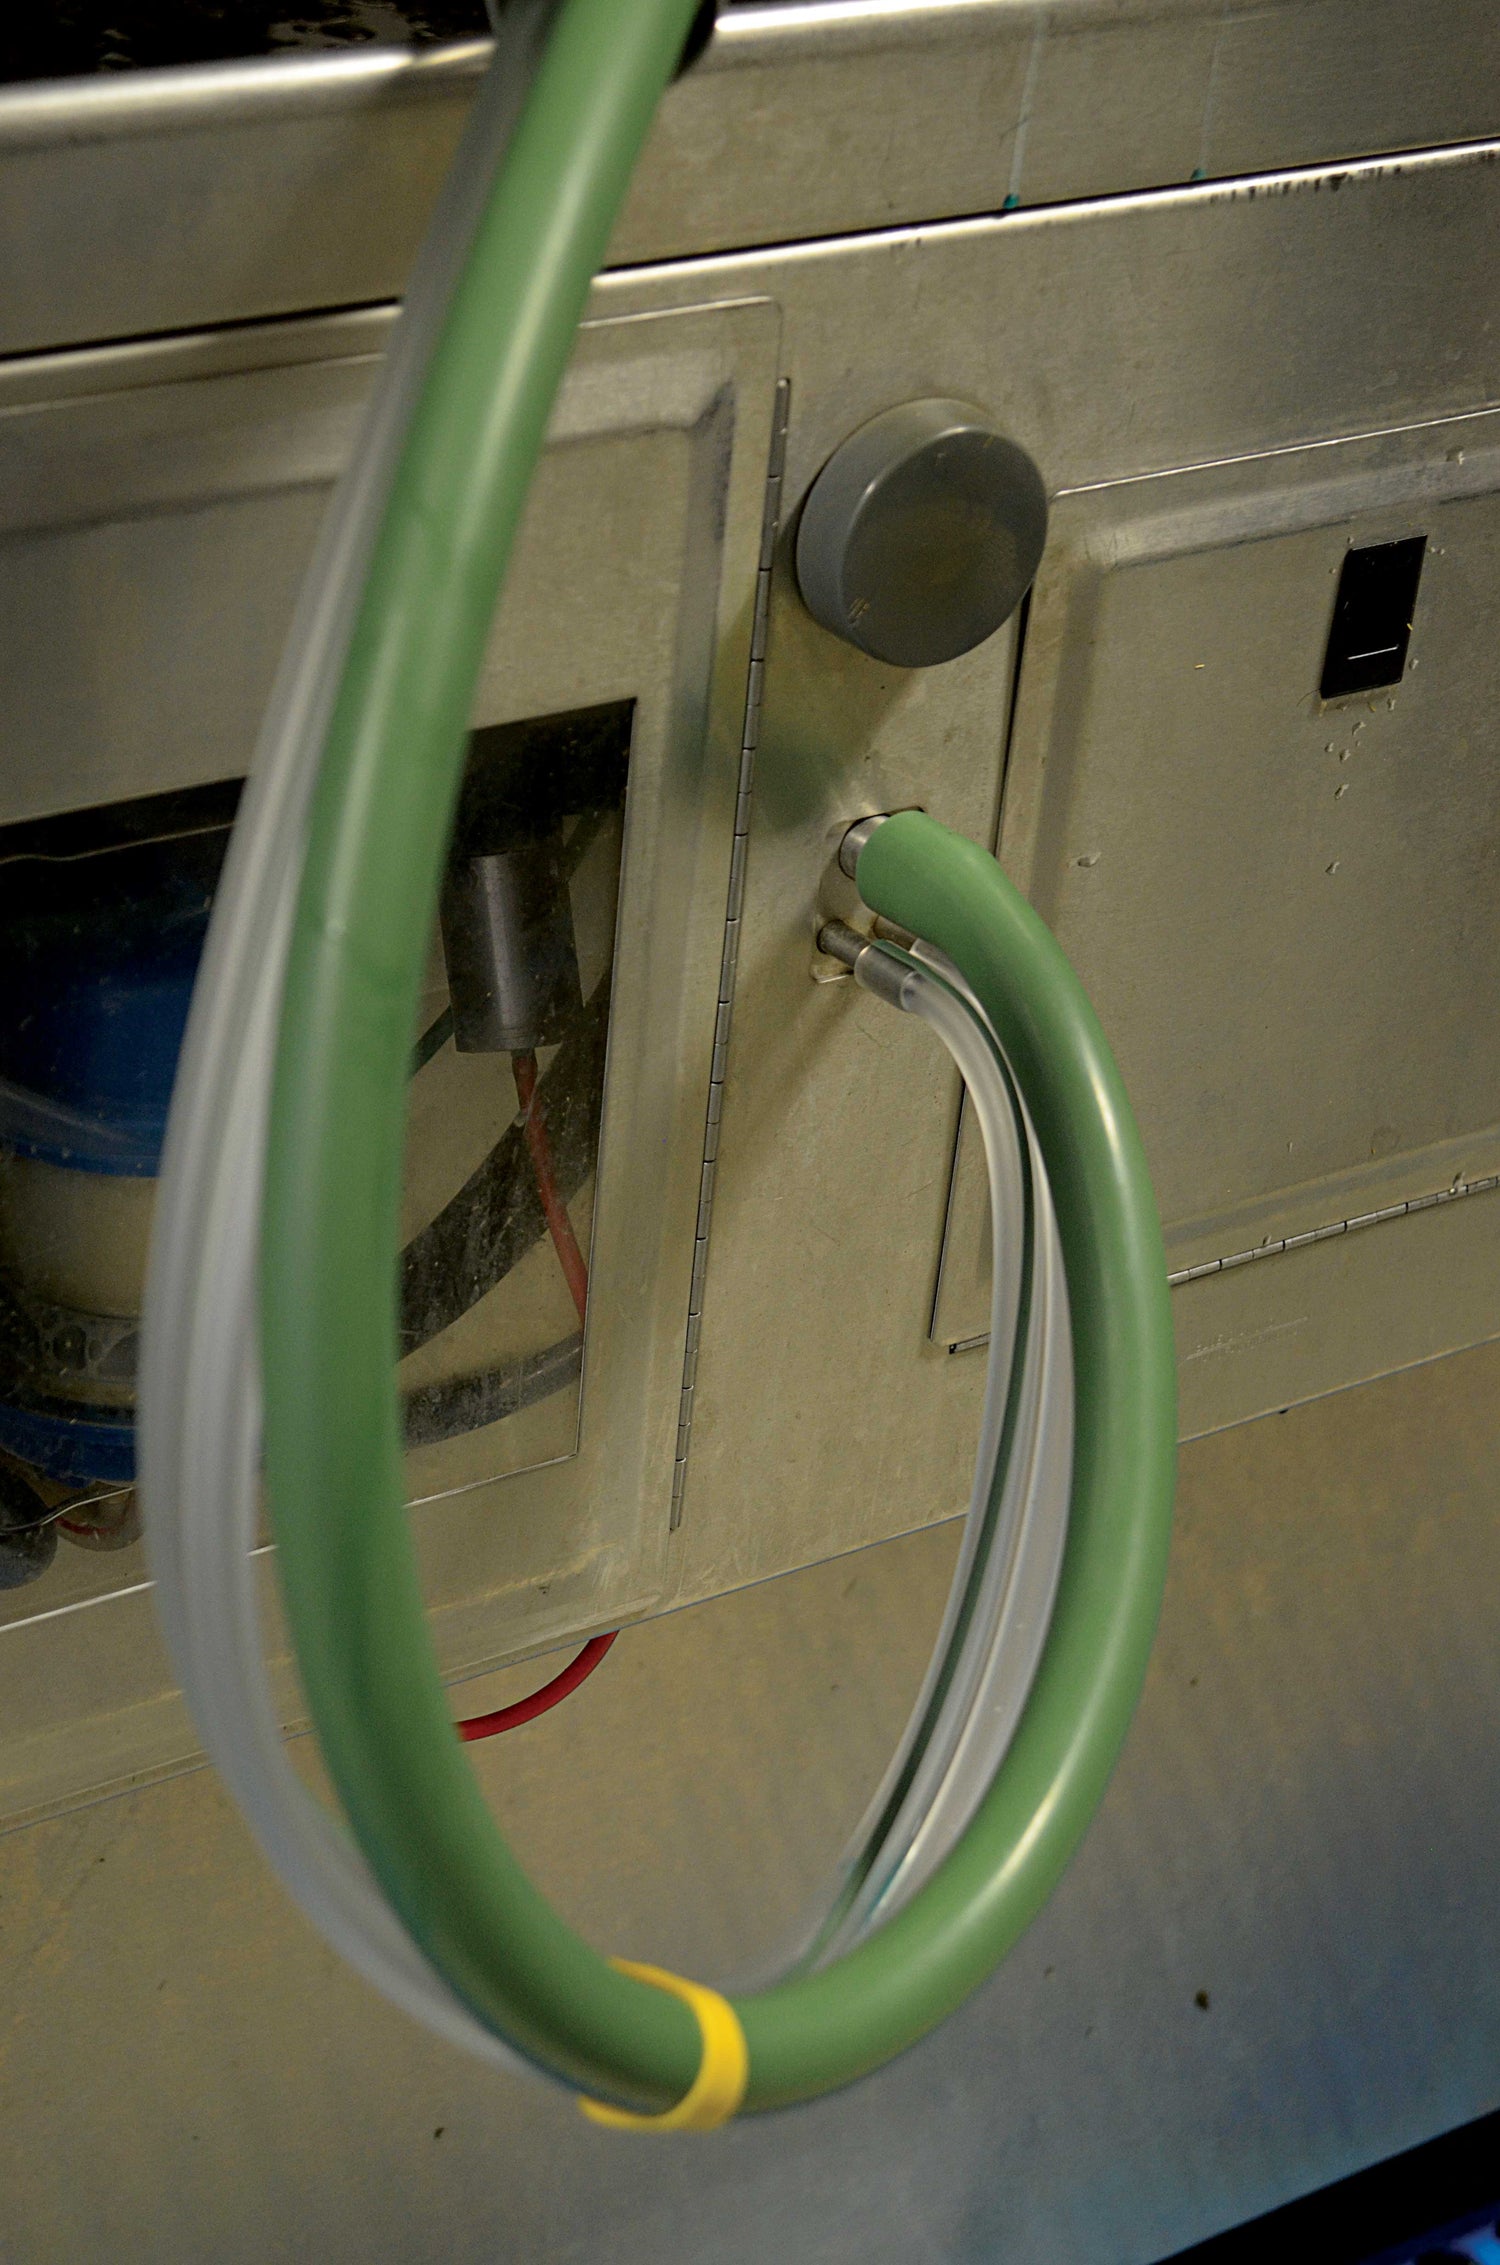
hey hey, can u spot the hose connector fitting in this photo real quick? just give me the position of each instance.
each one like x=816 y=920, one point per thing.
x=841 y=942
x=872 y=969
x=855 y=839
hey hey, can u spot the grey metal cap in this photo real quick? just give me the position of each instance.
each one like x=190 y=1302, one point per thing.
x=921 y=534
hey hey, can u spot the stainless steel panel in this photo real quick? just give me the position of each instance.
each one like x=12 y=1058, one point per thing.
x=1113 y=340
x=1282 y=906
x=1264 y=1337
x=159 y=201
x=1135 y=334
x=1305 y=1828
x=659 y=447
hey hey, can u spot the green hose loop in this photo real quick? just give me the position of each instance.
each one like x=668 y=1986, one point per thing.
x=333 y=1446
x=934 y=1952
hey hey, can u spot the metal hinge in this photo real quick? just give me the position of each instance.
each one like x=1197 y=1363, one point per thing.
x=1335 y=1227
x=729 y=959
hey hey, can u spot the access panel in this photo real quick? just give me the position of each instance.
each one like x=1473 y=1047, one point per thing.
x=1253 y=785
x=158 y=508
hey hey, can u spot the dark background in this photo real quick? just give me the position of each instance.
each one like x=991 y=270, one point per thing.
x=62 y=38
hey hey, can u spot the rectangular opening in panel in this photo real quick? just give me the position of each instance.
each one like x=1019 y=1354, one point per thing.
x=103 y=921
x=1372 y=618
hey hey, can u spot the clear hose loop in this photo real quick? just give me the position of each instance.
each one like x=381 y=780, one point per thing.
x=200 y=1406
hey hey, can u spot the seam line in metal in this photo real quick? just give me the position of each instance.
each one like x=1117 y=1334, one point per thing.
x=1219 y=188
x=1335 y=1227
x=1324 y=446
x=729 y=956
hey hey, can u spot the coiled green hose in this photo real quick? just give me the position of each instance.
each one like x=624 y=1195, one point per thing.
x=333 y=1443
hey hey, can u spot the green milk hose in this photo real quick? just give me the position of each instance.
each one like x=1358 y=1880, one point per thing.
x=332 y=1430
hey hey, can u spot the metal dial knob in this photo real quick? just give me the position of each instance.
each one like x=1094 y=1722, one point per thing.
x=921 y=534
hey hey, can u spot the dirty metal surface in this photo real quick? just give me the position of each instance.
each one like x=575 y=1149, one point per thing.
x=1269 y=1965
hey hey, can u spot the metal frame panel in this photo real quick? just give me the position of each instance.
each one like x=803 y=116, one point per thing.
x=168 y=200
x=148 y=616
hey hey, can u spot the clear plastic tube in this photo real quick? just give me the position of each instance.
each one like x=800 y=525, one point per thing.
x=199 y=1423
x=1014 y=1582
x=1000 y=1600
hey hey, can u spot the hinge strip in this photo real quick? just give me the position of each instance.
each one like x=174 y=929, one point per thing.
x=729 y=958
x=1452 y=1194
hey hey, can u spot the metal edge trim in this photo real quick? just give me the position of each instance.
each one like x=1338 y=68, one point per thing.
x=73 y=110
x=69 y=112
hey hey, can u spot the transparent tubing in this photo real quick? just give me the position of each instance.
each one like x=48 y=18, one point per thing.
x=882 y=1838
x=200 y=1396
x=1016 y=1606
x=1000 y=1601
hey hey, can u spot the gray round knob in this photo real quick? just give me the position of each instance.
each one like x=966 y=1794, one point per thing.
x=921 y=534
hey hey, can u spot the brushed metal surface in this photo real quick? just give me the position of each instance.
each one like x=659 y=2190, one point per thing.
x=160 y=499
x=1146 y=321
x=1257 y=1339
x=1296 y=893
x=1305 y=1828
x=159 y=201
x=1137 y=333
x=1283 y=907
x=143 y=615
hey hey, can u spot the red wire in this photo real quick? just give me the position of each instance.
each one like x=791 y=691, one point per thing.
x=559 y=1225
x=578 y=1670
x=571 y=1259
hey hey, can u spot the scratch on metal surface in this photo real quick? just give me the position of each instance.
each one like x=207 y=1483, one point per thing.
x=729 y=959
x=1023 y=122
x=1211 y=94
x=1244 y=1338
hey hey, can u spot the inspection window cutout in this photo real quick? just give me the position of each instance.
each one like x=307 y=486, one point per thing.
x=506 y=1099
x=1372 y=618
x=103 y=916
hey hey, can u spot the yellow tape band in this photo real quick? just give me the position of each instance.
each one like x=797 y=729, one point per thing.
x=723 y=2073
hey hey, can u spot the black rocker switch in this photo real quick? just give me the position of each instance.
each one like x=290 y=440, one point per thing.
x=1372 y=617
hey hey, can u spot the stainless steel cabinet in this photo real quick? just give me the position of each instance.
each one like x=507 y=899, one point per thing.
x=1230 y=376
